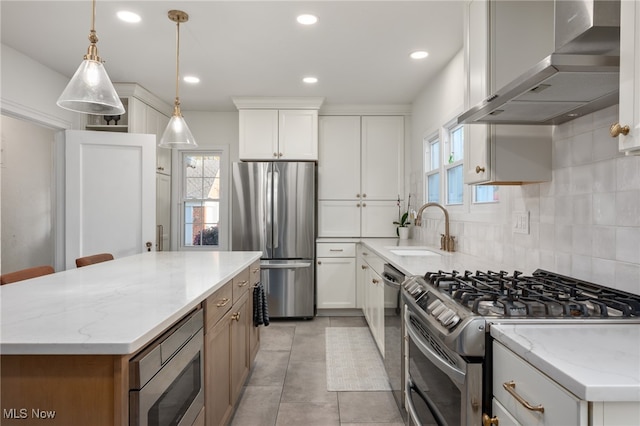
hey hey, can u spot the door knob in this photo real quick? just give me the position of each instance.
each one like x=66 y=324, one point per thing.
x=489 y=421
x=616 y=130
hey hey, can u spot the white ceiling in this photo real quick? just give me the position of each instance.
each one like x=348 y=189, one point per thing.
x=359 y=50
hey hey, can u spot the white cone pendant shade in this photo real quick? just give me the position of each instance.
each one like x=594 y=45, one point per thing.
x=177 y=133
x=90 y=91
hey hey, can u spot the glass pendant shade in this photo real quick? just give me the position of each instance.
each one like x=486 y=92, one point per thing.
x=177 y=134
x=90 y=91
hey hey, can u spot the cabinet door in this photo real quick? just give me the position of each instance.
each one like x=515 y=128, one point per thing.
x=338 y=218
x=339 y=158
x=218 y=399
x=156 y=124
x=163 y=211
x=361 y=277
x=240 y=363
x=377 y=219
x=382 y=157
x=258 y=134
x=298 y=135
x=336 y=282
x=629 y=109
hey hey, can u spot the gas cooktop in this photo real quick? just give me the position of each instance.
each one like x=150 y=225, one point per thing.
x=542 y=294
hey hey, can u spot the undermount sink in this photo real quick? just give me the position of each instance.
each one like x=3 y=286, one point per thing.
x=411 y=251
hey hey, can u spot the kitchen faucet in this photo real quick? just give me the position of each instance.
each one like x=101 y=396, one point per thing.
x=446 y=240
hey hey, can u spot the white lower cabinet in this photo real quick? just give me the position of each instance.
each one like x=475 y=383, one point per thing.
x=370 y=268
x=336 y=275
x=517 y=383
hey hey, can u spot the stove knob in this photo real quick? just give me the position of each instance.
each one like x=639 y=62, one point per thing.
x=439 y=310
x=452 y=321
x=445 y=316
x=433 y=305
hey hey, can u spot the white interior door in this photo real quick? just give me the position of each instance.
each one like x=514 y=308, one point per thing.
x=110 y=193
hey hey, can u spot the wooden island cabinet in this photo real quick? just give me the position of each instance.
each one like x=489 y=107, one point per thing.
x=61 y=380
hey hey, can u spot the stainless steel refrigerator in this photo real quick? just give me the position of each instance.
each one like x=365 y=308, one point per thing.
x=274 y=211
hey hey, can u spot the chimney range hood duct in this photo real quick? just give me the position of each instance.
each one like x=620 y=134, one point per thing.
x=580 y=77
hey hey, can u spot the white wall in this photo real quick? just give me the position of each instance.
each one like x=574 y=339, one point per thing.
x=584 y=223
x=27 y=195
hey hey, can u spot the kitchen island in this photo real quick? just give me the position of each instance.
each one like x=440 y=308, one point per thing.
x=66 y=338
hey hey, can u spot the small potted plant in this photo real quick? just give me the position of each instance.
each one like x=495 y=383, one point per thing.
x=403 y=223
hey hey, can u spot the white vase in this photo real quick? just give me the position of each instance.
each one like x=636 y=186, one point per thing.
x=403 y=231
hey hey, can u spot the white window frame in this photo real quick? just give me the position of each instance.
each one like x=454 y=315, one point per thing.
x=428 y=171
x=446 y=149
x=178 y=188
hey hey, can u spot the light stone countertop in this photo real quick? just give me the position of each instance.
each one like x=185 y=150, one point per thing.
x=114 y=307
x=598 y=362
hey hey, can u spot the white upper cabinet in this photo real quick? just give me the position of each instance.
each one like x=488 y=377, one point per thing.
x=278 y=128
x=629 y=77
x=382 y=157
x=502 y=40
x=360 y=168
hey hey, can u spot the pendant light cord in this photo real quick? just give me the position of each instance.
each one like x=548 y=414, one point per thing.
x=177 y=102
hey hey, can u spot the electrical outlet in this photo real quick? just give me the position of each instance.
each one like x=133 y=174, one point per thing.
x=520 y=222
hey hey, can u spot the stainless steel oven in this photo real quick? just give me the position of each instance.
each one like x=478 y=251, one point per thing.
x=442 y=387
x=167 y=377
x=447 y=316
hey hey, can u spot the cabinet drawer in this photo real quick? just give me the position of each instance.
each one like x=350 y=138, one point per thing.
x=560 y=406
x=336 y=250
x=241 y=284
x=254 y=273
x=218 y=304
x=375 y=262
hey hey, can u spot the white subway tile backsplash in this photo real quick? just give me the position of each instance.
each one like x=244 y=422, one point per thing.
x=604 y=176
x=582 y=209
x=603 y=244
x=581 y=267
x=604 y=146
x=547 y=209
x=628 y=173
x=582 y=180
x=628 y=208
x=562 y=153
x=603 y=272
x=604 y=208
x=564 y=238
x=628 y=277
x=581 y=148
x=628 y=244
x=581 y=240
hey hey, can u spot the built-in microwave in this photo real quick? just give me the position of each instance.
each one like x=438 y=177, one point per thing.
x=167 y=377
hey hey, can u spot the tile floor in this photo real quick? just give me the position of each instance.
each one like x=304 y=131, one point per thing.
x=288 y=384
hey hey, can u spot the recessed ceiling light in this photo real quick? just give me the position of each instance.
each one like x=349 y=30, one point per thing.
x=310 y=80
x=419 y=54
x=307 y=19
x=127 y=16
x=191 y=79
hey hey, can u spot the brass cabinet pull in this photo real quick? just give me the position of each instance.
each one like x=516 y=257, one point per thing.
x=357 y=195
x=235 y=316
x=336 y=249
x=375 y=281
x=243 y=283
x=275 y=154
x=479 y=169
x=280 y=155
x=364 y=253
x=319 y=263
x=364 y=204
x=364 y=195
x=255 y=270
x=616 y=130
x=364 y=266
x=511 y=388
x=222 y=302
x=358 y=205
x=489 y=421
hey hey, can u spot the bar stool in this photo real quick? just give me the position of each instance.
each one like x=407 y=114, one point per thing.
x=94 y=258
x=25 y=274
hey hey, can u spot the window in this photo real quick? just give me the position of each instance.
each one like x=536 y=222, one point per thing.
x=432 y=163
x=200 y=202
x=454 y=167
x=486 y=194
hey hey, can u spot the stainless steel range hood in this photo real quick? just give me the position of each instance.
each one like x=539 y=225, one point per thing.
x=581 y=77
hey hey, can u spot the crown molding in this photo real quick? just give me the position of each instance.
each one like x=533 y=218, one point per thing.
x=135 y=90
x=356 y=109
x=277 y=102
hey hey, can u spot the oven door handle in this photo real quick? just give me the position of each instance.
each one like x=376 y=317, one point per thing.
x=455 y=374
x=437 y=416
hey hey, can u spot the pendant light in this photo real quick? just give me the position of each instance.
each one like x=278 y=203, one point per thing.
x=90 y=91
x=177 y=133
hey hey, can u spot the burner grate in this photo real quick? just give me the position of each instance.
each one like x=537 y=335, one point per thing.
x=542 y=294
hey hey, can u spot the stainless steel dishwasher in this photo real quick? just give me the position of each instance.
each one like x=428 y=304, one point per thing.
x=393 y=345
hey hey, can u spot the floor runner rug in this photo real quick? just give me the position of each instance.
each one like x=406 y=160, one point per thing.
x=353 y=361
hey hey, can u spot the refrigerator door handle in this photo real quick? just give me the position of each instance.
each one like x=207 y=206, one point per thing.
x=268 y=209
x=292 y=265
x=276 y=207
